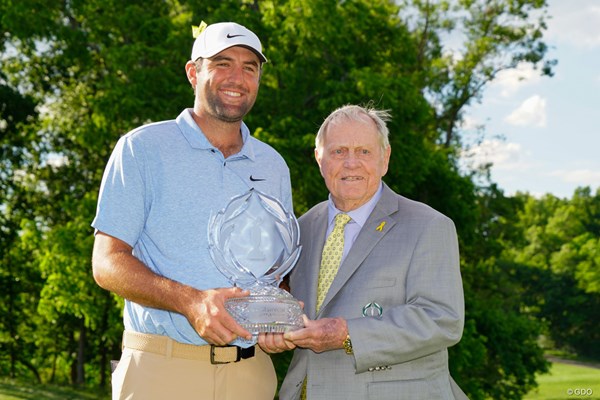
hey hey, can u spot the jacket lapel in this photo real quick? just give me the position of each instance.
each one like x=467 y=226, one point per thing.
x=316 y=241
x=376 y=227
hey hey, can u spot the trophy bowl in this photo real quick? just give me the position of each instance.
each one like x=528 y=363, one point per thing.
x=255 y=242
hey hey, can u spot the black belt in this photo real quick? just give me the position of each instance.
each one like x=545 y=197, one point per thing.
x=166 y=346
x=242 y=354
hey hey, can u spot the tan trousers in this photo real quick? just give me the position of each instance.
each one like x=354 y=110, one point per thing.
x=141 y=375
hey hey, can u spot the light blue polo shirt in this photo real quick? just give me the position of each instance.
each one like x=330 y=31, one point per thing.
x=160 y=186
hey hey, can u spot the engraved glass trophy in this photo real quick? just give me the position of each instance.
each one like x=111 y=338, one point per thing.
x=254 y=242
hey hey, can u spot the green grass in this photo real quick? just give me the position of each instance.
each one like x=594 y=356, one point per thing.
x=565 y=377
x=16 y=390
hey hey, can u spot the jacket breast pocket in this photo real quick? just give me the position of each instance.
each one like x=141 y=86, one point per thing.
x=380 y=282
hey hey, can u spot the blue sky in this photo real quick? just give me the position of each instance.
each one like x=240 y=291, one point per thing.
x=550 y=126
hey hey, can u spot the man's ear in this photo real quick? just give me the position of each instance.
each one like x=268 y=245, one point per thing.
x=386 y=159
x=317 y=156
x=190 y=71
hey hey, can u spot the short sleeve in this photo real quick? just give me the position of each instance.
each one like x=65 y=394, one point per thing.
x=121 y=210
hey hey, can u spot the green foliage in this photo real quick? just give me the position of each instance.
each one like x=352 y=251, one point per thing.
x=77 y=75
x=507 y=338
x=558 y=258
x=20 y=284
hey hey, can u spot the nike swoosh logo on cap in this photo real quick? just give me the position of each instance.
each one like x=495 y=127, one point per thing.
x=253 y=179
x=230 y=36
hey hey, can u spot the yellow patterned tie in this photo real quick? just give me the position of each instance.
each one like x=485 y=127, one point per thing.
x=331 y=258
x=330 y=263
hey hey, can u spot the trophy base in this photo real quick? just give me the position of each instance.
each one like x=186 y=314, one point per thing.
x=272 y=313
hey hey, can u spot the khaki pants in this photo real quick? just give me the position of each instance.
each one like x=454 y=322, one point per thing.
x=142 y=375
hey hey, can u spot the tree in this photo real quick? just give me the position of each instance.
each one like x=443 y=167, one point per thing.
x=92 y=72
x=19 y=280
x=492 y=36
x=559 y=267
x=99 y=68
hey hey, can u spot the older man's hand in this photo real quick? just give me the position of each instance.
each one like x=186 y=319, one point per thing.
x=320 y=335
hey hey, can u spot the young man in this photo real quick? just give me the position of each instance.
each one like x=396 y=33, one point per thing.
x=159 y=189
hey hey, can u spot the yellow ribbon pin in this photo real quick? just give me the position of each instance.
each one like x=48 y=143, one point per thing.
x=380 y=227
x=197 y=30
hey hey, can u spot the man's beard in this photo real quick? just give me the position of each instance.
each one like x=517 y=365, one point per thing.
x=223 y=112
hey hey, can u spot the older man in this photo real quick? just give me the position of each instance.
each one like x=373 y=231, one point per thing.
x=379 y=275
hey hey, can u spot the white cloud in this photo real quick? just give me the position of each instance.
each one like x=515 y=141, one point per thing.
x=506 y=156
x=581 y=177
x=469 y=123
x=532 y=112
x=510 y=81
x=575 y=23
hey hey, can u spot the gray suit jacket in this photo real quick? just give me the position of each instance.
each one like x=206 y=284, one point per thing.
x=410 y=268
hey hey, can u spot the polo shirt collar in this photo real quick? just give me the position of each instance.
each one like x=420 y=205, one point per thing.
x=197 y=140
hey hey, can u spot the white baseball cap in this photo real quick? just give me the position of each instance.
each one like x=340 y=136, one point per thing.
x=217 y=37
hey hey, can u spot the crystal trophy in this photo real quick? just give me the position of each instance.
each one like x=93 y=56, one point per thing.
x=254 y=242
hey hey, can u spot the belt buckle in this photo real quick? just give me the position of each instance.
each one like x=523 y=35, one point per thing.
x=238 y=356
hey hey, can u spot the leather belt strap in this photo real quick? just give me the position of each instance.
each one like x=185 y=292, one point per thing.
x=166 y=346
